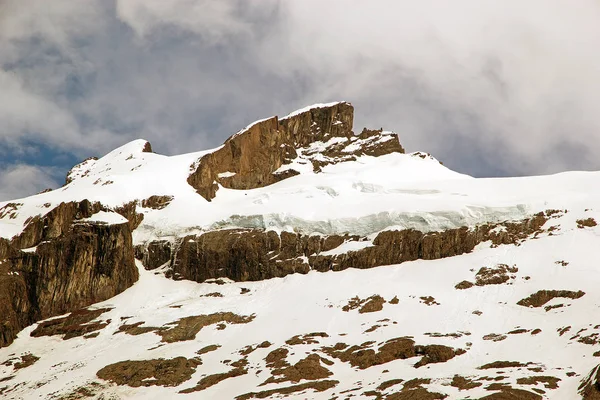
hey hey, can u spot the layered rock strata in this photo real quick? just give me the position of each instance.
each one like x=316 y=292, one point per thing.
x=60 y=263
x=254 y=254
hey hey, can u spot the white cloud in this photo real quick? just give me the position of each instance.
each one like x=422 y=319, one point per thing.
x=488 y=87
x=22 y=180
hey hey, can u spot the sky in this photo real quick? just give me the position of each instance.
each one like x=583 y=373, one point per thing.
x=489 y=88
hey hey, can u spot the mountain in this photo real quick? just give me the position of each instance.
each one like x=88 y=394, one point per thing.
x=300 y=260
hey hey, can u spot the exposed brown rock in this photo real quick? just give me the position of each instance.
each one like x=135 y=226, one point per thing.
x=373 y=304
x=416 y=394
x=494 y=275
x=508 y=393
x=276 y=358
x=412 y=390
x=370 y=304
x=452 y=335
x=364 y=357
x=435 y=353
x=550 y=382
x=208 y=349
x=590 y=386
x=308 y=368
x=250 y=158
x=21 y=362
x=249 y=349
x=129 y=211
x=496 y=337
x=75 y=264
x=586 y=223
x=55 y=223
x=541 y=297
x=157 y=202
x=517 y=331
x=591 y=339
x=308 y=338
x=318 y=386
x=463 y=383
x=136 y=329
x=213 y=294
x=212 y=380
x=80 y=170
x=77 y=323
x=415 y=383
x=157 y=372
x=503 y=364
x=156 y=254
x=87 y=391
x=186 y=328
x=388 y=384
x=429 y=300
x=255 y=254
x=464 y=285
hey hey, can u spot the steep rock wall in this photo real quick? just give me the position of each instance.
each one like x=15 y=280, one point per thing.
x=74 y=264
x=253 y=254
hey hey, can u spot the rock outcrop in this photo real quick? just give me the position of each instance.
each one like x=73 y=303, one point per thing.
x=254 y=254
x=590 y=386
x=258 y=155
x=62 y=262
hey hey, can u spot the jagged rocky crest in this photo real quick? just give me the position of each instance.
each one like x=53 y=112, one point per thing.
x=258 y=155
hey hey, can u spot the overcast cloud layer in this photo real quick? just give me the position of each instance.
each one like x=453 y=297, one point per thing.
x=491 y=88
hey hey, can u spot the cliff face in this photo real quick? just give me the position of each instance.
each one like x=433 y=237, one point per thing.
x=254 y=254
x=74 y=263
x=253 y=157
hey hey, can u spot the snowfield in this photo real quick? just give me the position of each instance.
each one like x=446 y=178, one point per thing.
x=504 y=320
x=303 y=304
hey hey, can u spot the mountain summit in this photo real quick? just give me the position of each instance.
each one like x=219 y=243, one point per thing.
x=299 y=260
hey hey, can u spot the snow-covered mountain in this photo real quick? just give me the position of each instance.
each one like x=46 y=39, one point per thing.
x=300 y=260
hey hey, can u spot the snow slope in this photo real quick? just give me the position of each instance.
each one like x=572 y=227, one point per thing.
x=301 y=304
x=556 y=341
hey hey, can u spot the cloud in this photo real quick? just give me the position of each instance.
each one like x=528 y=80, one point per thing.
x=488 y=88
x=512 y=80
x=214 y=21
x=21 y=180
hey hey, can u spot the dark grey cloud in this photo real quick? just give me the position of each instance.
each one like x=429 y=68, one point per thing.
x=490 y=88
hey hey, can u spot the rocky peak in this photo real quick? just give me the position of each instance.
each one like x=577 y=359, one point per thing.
x=273 y=149
x=92 y=165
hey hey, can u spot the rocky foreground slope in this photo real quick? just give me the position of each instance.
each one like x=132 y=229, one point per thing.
x=299 y=260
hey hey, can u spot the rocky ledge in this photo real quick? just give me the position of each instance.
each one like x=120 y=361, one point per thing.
x=256 y=254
